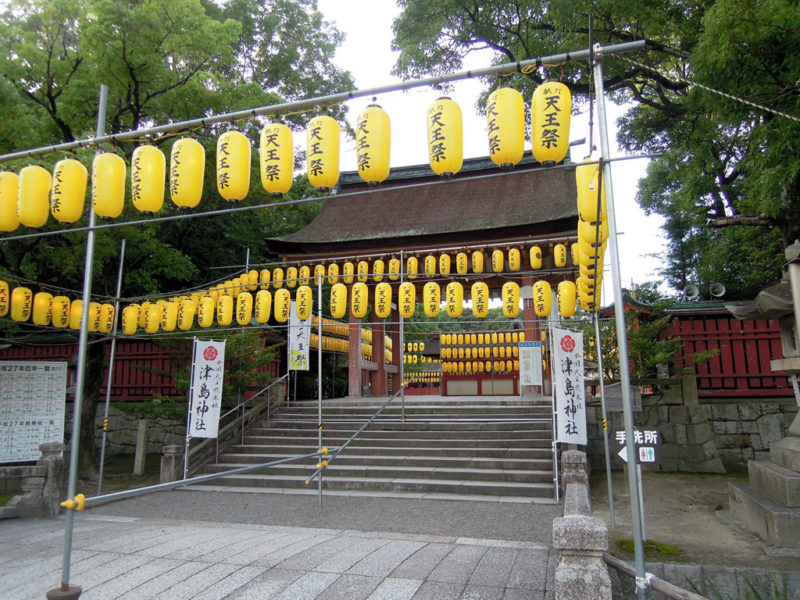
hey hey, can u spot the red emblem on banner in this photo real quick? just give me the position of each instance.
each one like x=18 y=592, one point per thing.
x=567 y=344
x=210 y=353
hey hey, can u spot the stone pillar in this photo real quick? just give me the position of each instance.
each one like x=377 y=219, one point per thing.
x=171 y=464
x=581 y=573
x=354 y=354
x=573 y=469
x=689 y=386
x=141 y=448
x=377 y=378
x=53 y=460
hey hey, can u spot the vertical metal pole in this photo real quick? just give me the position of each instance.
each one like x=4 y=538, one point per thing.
x=82 y=344
x=319 y=382
x=622 y=337
x=402 y=344
x=111 y=368
x=553 y=409
x=599 y=349
x=189 y=414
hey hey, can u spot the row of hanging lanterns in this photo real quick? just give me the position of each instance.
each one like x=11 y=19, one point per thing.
x=30 y=197
x=592 y=233
x=477 y=367
x=424 y=377
x=480 y=339
x=481 y=352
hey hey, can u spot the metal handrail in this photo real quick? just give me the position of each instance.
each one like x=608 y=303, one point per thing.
x=258 y=393
x=160 y=487
x=334 y=453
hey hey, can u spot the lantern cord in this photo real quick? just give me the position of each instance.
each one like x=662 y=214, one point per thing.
x=591 y=79
x=707 y=88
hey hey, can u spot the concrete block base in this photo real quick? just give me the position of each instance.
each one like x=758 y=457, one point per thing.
x=775 y=524
x=786 y=453
x=775 y=482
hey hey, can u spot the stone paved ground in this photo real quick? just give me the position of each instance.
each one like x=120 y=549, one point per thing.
x=130 y=558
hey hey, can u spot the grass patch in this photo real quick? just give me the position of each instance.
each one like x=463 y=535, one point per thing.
x=652 y=548
x=4 y=498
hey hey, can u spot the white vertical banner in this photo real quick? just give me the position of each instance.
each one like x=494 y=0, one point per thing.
x=299 y=341
x=205 y=396
x=530 y=363
x=568 y=386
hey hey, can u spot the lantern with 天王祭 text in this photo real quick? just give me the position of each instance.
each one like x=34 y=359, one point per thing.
x=233 y=165
x=169 y=316
x=498 y=260
x=363 y=271
x=41 y=308
x=454 y=295
x=542 y=298
x=277 y=278
x=187 y=166
x=372 y=144
x=348 y=269
x=412 y=267
x=430 y=265
x=445 y=137
x=224 y=310
x=560 y=255
x=551 y=109
x=431 y=298
x=148 y=169
x=205 y=311
x=332 y=271
x=9 y=190
x=322 y=152
x=276 y=154
x=244 y=308
x=505 y=113
x=262 y=306
x=59 y=312
x=444 y=264
x=108 y=185
x=304 y=274
x=282 y=305
x=462 y=263
x=68 y=194
x=480 y=299
x=186 y=311
x=383 y=300
x=477 y=261
x=152 y=318
x=33 y=195
x=264 y=277
x=514 y=259
x=130 y=319
x=566 y=299
x=359 y=300
x=21 y=304
x=510 y=296
x=291 y=277
x=378 y=268
x=106 y=318
x=338 y=300
x=394 y=269
x=406 y=297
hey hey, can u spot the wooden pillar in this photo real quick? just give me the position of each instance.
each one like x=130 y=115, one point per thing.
x=532 y=329
x=397 y=348
x=354 y=355
x=377 y=378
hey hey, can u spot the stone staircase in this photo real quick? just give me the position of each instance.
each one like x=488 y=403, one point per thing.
x=484 y=447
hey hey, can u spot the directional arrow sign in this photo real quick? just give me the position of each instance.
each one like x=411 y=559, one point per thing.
x=623 y=454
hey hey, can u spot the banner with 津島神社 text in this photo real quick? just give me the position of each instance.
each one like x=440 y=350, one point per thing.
x=205 y=396
x=568 y=387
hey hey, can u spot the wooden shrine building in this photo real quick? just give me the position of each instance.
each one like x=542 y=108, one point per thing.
x=416 y=213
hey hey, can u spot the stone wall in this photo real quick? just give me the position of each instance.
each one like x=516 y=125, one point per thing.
x=703 y=436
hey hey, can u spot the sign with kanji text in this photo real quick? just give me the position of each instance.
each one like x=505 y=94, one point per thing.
x=205 y=395
x=568 y=388
x=299 y=341
x=530 y=363
x=647 y=442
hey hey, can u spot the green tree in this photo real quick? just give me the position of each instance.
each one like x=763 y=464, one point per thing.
x=725 y=175
x=163 y=61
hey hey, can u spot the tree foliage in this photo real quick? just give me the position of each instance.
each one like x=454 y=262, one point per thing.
x=716 y=159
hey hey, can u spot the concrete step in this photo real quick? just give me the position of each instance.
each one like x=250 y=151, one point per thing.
x=376 y=430
x=279 y=425
x=363 y=452
x=398 y=442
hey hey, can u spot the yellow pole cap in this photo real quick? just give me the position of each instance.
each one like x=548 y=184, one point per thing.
x=76 y=503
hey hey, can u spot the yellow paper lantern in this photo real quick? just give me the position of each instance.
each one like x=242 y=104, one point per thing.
x=244 y=308
x=33 y=196
x=593 y=233
x=560 y=255
x=444 y=264
x=430 y=265
x=535 y=257
x=233 y=165
x=76 y=314
x=363 y=271
x=566 y=299
x=445 y=137
x=68 y=194
x=304 y=274
x=130 y=319
x=333 y=273
x=277 y=278
x=106 y=318
x=152 y=318
x=407 y=302
x=59 y=312
x=225 y=310
x=187 y=166
x=587 y=176
x=542 y=298
x=505 y=113
x=169 y=316
x=575 y=253
x=41 y=308
x=394 y=269
x=276 y=152
x=454 y=294
x=186 y=312
x=304 y=302
x=431 y=298
x=338 y=300
x=9 y=192
x=480 y=299
x=514 y=259
x=462 y=263
x=291 y=277
x=477 y=261
x=551 y=109
x=21 y=304
x=412 y=267
x=372 y=144
x=108 y=185
x=383 y=300
x=322 y=152
x=264 y=277
x=252 y=280
x=359 y=300
x=206 y=311
x=348 y=269
x=263 y=306
x=148 y=169
x=497 y=260
x=378 y=268
x=319 y=273
x=510 y=293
